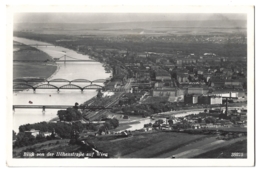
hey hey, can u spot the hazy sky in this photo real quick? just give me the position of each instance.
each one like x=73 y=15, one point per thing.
x=117 y=17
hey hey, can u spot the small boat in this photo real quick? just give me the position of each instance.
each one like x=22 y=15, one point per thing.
x=30 y=102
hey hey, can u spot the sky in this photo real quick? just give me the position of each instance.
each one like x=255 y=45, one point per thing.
x=118 y=17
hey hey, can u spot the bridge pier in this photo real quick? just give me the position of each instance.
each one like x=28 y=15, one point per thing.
x=13 y=109
x=43 y=110
x=34 y=90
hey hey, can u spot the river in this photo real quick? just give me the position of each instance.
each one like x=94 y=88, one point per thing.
x=69 y=71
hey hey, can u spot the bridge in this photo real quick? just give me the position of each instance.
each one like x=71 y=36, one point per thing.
x=50 y=86
x=43 y=107
x=58 y=61
x=57 y=80
x=71 y=59
x=36 y=45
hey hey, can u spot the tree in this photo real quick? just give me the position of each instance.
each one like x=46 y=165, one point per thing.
x=76 y=106
x=71 y=114
x=62 y=114
x=14 y=135
x=114 y=122
x=24 y=140
x=170 y=121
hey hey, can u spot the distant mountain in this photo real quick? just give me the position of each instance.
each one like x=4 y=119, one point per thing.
x=132 y=25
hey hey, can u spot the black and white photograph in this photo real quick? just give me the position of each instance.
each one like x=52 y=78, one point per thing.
x=175 y=86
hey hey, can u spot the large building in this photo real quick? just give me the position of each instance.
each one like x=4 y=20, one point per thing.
x=162 y=75
x=210 y=100
x=184 y=61
x=164 y=92
x=190 y=99
x=224 y=93
x=215 y=100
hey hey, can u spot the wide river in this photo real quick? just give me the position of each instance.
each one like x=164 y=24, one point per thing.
x=69 y=71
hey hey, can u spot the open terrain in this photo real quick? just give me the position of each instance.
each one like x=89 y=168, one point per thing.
x=226 y=151
x=41 y=69
x=145 y=145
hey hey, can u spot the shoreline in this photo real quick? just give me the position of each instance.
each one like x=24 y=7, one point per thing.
x=53 y=64
x=58 y=69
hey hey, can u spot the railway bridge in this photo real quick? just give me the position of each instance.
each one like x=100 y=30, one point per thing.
x=51 y=86
x=57 y=80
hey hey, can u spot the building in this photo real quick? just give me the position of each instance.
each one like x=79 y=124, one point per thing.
x=164 y=83
x=45 y=134
x=217 y=82
x=195 y=126
x=203 y=100
x=142 y=76
x=234 y=83
x=162 y=60
x=212 y=100
x=32 y=132
x=224 y=93
x=182 y=61
x=161 y=75
x=190 y=99
x=164 y=92
x=183 y=77
x=134 y=89
x=215 y=100
x=197 y=90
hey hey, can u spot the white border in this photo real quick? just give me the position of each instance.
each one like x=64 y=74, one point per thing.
x=136 y=162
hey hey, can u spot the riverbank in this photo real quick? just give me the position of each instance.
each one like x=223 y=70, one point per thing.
x=42 y=69
x=70 y=71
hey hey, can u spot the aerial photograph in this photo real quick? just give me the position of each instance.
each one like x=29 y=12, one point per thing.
x=129 y=85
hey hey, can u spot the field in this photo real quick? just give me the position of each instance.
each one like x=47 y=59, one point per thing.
x=145 y=145
x=41 y=69
x=226 y=152
x=33 y=70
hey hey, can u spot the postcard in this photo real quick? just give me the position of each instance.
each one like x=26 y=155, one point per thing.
x=130 y=86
